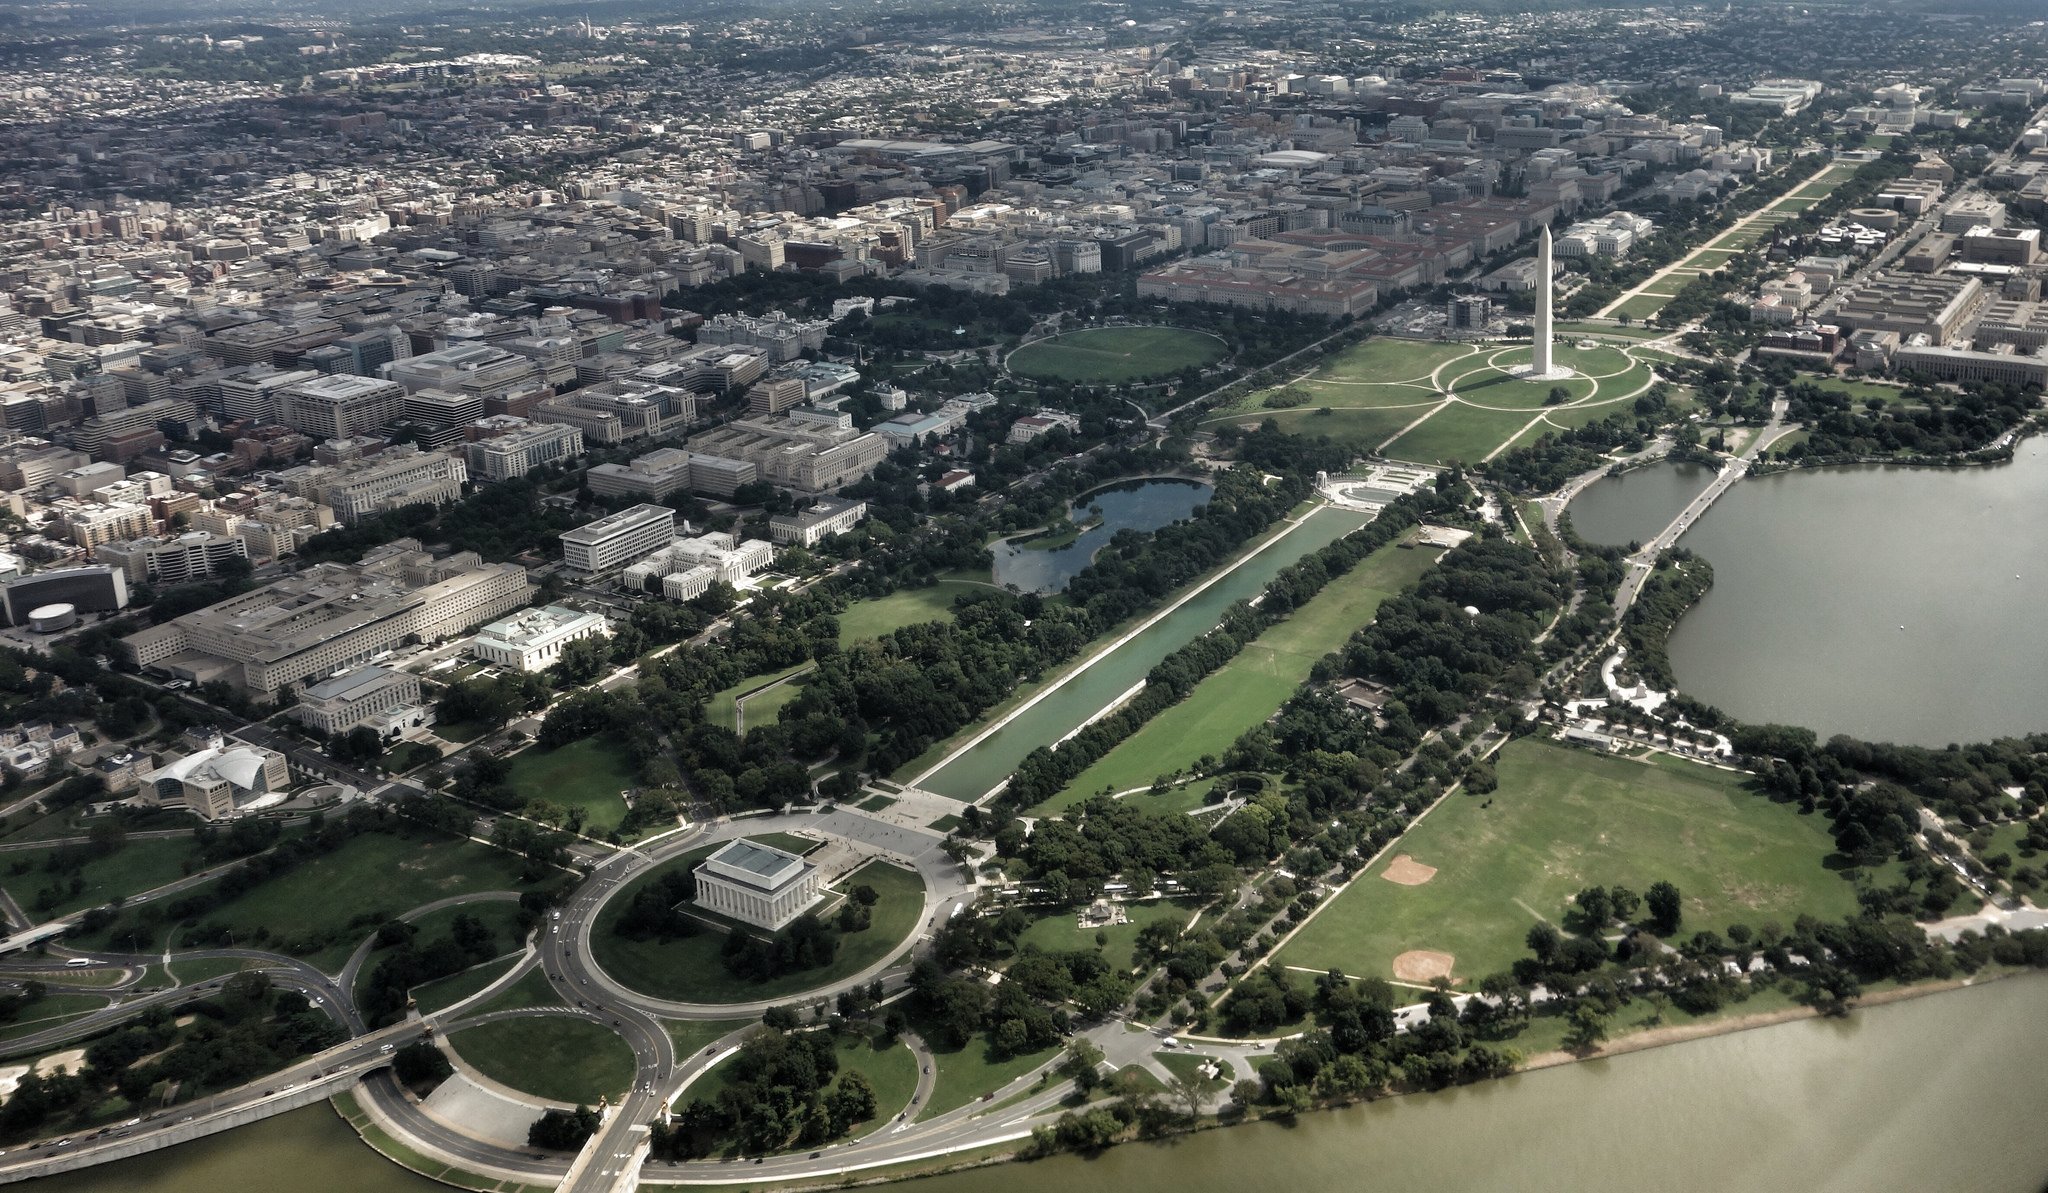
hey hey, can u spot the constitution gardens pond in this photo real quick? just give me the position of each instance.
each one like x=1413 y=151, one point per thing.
x=1048 y=564
x=1890 y=603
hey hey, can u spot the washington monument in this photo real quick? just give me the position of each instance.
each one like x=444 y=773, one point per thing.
x=1539 y=362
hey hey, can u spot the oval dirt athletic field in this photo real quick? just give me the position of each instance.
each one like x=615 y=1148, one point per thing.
x=1408 y=872
x=1422 y=965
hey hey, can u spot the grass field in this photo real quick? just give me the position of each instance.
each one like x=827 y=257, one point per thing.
x=201 y=969
x=689 y=969
x=908 y=606
x=1859 y=389
x=54 y=1010
x=1362 y=428
x=1563 y=820
x=1642 y=306
x=1188 y=1065
x=1377 y=374
x=1107 y=355
x=587 y=774
x=1388 y=359
x=1062 y=932
x=1460 y=433
x=440 y=995
x=765 y=707
x=532 y=990
x=369 y=878
x=1249 y=688
x=1371 y=395
x=722 y=708
x=891 y=1070
x=557 y=1057
x=691 y=1036
x=965 y=1074
x=500 y=916
x=135 y=867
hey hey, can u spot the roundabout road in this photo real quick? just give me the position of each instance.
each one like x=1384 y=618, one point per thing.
x=567 y=951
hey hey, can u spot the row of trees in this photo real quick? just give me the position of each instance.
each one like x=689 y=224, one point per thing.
x=1045 y=771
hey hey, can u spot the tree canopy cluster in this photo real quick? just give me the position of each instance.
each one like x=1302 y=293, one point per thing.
x=780 y=1089
x=1930 y=422
x=411 y=962
x=245 y=1031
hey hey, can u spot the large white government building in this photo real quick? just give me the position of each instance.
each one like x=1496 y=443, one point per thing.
x=533 y=640
x=756 y=884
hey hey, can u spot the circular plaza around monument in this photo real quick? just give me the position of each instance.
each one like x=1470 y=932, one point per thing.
x=1432 y=401
x=1115 y=355
x=685 y=957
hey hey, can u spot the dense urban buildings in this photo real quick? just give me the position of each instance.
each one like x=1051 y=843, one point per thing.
x=330 y=617
x=968 y=539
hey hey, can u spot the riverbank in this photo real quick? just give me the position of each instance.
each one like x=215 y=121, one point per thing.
x=1998 y=451
x=1639 y=1041
x=1680 y=1033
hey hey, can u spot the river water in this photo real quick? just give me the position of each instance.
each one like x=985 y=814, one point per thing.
x=974 y=773
x=1933 y=1095
x=1889 y=603
x=1139 y=505
x=1615 y=511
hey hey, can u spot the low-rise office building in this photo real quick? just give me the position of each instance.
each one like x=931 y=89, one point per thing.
x=616 y=540
x=520 y=451
x=533 y=640
x=219 y=781
x=820 y=520
x=382 y=698
x=193 y=555
x=391 y=479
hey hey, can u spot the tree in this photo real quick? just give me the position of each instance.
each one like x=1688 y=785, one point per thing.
x=583 y=660
x=421 y=1063
x=248 y=988
x=563 y=1130
x=852 y=1101
x=360 y=746
x=1595 y=909
x=1586 y=1026
x=1666 y=907
x=1081 y=1064
x=1190 y=1094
